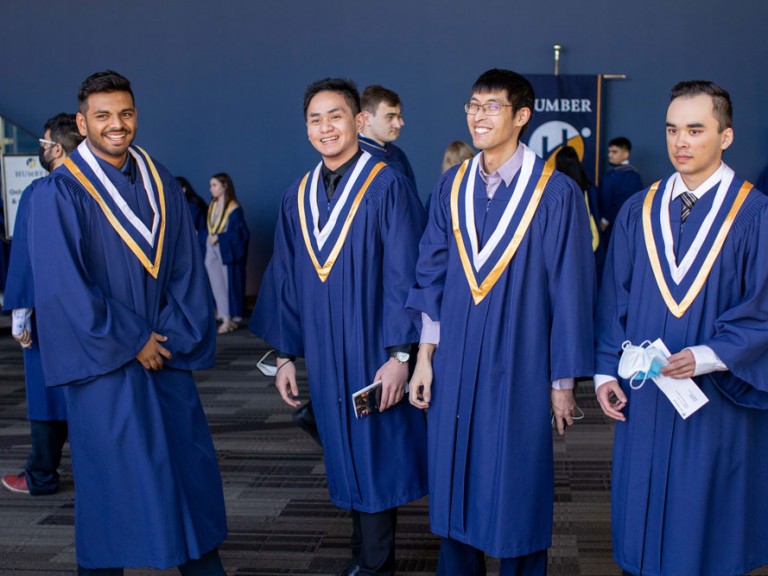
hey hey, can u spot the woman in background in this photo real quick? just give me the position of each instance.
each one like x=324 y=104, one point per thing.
x=226 y=250
x=568 y=163
x=197 y=205
x=456 y=153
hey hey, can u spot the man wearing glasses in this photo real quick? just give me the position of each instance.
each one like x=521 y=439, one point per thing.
x=46 y=408
x=505 y=286
x=334 y=292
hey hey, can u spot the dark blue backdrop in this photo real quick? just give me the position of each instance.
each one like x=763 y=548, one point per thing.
x=219 y=84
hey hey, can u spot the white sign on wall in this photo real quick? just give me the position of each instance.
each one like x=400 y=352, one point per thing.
x=18 y=172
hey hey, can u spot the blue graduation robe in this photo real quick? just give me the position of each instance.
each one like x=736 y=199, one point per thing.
x=147 y=486
x=43 y=403
x=617 y=186
x=490 y=434
x=233 y=243
x=390 y=154
x=688 y=496
x=343 y=325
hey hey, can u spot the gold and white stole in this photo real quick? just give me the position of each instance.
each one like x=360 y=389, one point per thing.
x=120 y=216
x=474 y=259
x=341 y=217
x=679 y=273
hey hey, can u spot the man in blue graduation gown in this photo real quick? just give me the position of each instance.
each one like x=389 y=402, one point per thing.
x=334 y=292
x=505 y=286
x=46 y=408
x=382 y=120
x=688 y=264
x=619 y=183
x=124 y=316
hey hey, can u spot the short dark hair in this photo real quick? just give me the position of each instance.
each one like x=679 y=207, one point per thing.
x=374 y=95
x=519 y=90
x=721 y=100
x=63 y=128
x=344 y=87
x=107 y=81
x=229 y=186
x=621 y=142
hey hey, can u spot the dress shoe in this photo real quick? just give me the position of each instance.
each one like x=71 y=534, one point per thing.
x=351 y=569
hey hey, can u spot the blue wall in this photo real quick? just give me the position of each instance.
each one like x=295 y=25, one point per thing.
x=219 y=84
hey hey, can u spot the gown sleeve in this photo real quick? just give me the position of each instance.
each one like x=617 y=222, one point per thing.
x=432 y=266
x=276 y=318
x=740 y=336
x=186 y=316
x=402 y=226
x=570 y=279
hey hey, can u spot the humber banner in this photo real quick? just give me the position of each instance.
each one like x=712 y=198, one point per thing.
x=567 y=113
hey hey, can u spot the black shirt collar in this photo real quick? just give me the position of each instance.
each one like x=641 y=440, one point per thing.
x=341 y=170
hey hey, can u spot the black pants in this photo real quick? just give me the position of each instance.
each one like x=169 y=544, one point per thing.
x=48 y=439
x=373 y=541
x=207 y=565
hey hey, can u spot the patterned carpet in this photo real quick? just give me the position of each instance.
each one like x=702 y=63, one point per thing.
x=280 y=521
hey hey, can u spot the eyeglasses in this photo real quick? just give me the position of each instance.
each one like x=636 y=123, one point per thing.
x=43 y=142
x=473 y=108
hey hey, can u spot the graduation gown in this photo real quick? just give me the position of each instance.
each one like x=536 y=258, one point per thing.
x=334 y=292
x=508 y=328
x=147 y=485
x=389 y=153
x=43 y=403
x=616 y=188
x=688 y=496
x=233 y=242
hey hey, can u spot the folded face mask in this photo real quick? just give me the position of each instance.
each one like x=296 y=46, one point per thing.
x=640 y=363
x=264 y=368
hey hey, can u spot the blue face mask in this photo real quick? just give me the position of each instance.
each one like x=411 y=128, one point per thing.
x=640 y=363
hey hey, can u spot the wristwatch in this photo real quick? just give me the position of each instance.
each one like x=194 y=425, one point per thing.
x=402 y=357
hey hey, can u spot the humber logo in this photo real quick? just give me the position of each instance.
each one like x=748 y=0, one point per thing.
x=562 y=105
x=550 y=137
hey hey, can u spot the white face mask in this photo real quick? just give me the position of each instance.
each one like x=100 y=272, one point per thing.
x=638 y=362
x=264 y=368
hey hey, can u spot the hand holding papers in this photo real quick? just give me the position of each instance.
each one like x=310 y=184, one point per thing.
x=646 y=361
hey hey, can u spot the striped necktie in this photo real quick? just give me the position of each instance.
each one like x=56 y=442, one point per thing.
x=688 y=199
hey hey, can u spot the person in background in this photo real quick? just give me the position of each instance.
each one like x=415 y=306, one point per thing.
x=619 y=183
x=567 y=161
x=382 y=118
x=46 y=407
x=197 y=205
x=456 y=152
x=226 y=252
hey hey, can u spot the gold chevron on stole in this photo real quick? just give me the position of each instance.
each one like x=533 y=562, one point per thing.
x=325 y=269
x=215 y=226
x=481 y=291
x=152 y=267
x=678 y=309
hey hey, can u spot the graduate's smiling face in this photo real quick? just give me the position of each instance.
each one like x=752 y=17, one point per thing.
x=108 y=122
x=496 y=134
x=332 y=128
x=694 y=141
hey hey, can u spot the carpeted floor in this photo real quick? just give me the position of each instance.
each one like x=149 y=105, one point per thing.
x=280 y=521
